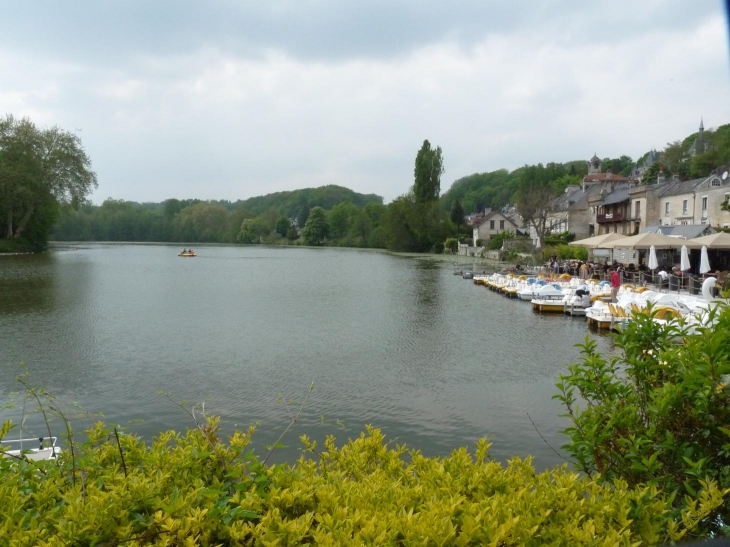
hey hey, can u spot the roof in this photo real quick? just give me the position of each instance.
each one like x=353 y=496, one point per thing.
x=687 y=231
x=617 y=196
x=567 y=200
x=491 y=215
x=603 y=177
x=686 y=187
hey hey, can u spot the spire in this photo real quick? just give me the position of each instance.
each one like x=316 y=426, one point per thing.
x=702 y=125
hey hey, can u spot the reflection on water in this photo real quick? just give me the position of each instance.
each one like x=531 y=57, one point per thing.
x=400 y=343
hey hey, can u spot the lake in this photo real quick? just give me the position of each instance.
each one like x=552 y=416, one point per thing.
x=397 y=342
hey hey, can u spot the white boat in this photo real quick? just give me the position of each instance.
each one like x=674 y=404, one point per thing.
x=550 y=298
x=42 y=448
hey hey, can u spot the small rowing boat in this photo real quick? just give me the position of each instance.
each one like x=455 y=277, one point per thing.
x=49 y=452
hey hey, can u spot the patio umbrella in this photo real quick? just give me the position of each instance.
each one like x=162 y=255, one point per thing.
x=644 y=241
x=704 y=261
x=596 y=241
x=720 y=240
x=684 y=264
x=653 y=262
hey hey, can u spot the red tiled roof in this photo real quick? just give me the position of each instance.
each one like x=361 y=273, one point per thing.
x=601 y=177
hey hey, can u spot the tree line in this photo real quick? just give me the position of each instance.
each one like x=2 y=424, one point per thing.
x=330 y=215
x=46 y=176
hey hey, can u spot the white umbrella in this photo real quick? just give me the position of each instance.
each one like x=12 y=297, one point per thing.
x=684 y=262
x=653 y=262
x=704 y=261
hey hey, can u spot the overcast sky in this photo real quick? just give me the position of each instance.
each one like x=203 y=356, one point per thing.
x=228 y=99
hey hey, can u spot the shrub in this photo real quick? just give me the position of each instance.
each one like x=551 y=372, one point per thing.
x=479 y=243
x=194 y=489
x=438 y=248
x=452 y=244
x=658 y=413
x=566 y=252
x=497 y=240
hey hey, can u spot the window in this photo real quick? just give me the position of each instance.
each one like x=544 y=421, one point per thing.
x=666 y=209
x=501 y=224
x=637 y=209
x=704 y=203
x=716 y=182
x=727 y=196
x=491 y=225
x=684 y=206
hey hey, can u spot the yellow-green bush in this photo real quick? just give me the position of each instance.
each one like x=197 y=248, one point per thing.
x=193 y=489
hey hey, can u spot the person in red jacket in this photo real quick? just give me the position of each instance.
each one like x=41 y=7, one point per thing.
x=615 y=284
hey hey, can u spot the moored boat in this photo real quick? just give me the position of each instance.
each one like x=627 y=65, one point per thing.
x=49 y=451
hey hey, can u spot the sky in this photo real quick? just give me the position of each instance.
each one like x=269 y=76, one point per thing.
x=229 y=99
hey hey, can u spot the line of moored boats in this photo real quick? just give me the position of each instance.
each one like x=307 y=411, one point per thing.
x=592 y=298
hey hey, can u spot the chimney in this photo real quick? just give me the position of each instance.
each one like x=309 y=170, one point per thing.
x=675 y=177
x=660 y=177
x=609 y=174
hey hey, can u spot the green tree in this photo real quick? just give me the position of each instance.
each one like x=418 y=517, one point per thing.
x=316 y=229
x=427 y=173
x=457 y=213
x=282 y=226
x=675 y=158
x=252 y=230
x=35 y=164
x=292 y=234
x=534 y=199
x=340 y=217
x=651 y=174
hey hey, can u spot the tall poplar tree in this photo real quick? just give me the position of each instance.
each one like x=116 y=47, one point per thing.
x=427 y=173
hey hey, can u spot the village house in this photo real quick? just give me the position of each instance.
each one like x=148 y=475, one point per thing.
x=492 y=223
x=696 y=201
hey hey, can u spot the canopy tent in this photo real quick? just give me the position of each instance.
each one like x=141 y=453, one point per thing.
x=720 y=240
x=645 y=241
x=596 y=242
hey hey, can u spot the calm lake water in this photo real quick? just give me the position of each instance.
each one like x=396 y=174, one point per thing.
x=400 y=343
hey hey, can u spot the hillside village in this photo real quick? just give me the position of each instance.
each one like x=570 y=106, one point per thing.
x=605 y=202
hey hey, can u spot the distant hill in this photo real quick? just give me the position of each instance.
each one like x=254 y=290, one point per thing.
x=498 y=188
x=297 y=203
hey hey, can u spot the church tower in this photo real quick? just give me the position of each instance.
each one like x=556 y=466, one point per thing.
x=594 y=165
x=700 y=142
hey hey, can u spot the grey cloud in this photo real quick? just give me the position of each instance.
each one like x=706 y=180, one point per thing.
x=113 y=33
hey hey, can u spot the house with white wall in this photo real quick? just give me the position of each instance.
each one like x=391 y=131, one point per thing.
x=492 y=223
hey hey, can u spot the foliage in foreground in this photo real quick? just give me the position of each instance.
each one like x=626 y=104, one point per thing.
x=659 y=412
x=193 y=489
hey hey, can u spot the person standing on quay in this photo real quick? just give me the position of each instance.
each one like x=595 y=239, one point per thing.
x=615 y=284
